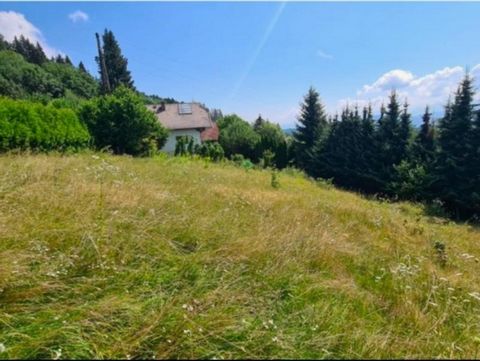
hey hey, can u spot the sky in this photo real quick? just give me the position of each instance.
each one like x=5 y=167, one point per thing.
x=253 y=58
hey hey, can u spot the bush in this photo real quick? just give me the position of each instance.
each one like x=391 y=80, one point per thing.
x=28 y=125
x=121 y=121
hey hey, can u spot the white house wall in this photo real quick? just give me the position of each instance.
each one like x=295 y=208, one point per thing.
x=169 y=146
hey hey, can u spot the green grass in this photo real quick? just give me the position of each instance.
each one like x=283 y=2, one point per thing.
x=115 y=257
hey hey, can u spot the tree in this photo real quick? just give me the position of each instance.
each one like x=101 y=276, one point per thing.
x=390 y=146
x=452 y=170
x=115 y=62
x=68 y=61
x=259 y=122
x=310 y=129
x=121 y=121
x=404 y=133
x=423 y=147
x=32 y=53
x=272 y=139
x=82 y=68
x=414 y=174
x=237 y=136
x=4 y=45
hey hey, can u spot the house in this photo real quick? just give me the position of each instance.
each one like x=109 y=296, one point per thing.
x=185 y=119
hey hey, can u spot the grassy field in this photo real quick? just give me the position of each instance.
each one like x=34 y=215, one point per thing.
x=114 y=257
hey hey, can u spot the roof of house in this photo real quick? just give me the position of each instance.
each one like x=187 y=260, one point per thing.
x=210 y=133
x=182 y=116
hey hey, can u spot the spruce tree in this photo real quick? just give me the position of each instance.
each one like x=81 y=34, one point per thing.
x=404 y=133
x=475 y=164
x=452 y=171
x=115 y=62
x=68 y=61
x=82 y=68
x=259 y=122
x=423 y=148
x=310 y=129
x=388 y=139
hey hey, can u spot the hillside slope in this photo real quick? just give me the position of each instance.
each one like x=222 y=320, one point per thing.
x=117 y=257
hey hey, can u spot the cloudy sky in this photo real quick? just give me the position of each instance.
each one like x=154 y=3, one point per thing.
x=260 y=58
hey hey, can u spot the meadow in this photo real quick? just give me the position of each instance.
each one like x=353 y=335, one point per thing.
x=117 y=257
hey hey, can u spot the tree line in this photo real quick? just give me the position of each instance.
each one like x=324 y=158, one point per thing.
x=385 y=156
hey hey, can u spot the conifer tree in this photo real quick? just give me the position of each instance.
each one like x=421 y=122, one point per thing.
x=259 y=122
x=453 y=161
x=82 y=68
x=68 y=61
x=310 y=129
x=423 y=148
x=404 y=133
x=115 y=62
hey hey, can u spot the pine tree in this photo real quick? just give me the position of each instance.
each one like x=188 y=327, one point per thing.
x=453 y=162
x=32 y=53
x=68 y=61
x=388 y=139
x=475 y=164
x=404 y=133
x=4 y=45
x=310 y=129
x=423 y=148
x=82 y=68
x=259 y=122
x=59 y=59
x=115 y=62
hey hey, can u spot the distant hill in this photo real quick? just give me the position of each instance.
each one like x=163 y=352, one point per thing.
x=288 y=131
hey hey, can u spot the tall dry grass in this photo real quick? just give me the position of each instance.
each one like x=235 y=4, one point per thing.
x=114 y=257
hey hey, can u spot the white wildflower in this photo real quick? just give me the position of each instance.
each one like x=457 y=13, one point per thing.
x=275 y=339
x=58 y=354
x=475 y=295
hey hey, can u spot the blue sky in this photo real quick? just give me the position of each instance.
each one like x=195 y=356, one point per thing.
x=250 y=58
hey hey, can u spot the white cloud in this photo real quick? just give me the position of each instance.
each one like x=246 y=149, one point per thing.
x=321 y=54
x=431 y=89
x=78 y=16
x=15 y=24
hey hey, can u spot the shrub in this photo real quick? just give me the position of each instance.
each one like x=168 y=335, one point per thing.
x=121 y=121
x=29 y=125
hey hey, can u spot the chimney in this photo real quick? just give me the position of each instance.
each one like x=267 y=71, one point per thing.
x=161 y=107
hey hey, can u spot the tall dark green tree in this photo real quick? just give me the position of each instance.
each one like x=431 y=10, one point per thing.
x=82 y=68
x=32 y=53
x=259 y=122
x=388 y=138
x=423 y=148
x=475 y=163
x=116 y=64
x=452 y=171
x=67 y=60
x=310 y=129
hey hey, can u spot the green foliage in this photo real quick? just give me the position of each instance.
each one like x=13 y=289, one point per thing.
x=20 y=79
x=272 y=140
x=452 y=175
x=310 y=129
x=410 y=181
x=78 y=82
x=26 y=125
x=274 y=180
x=115 y=62
x=32 y=53
x=237 y=137
x=182 y=145
x=210 y=149
x=121 y=121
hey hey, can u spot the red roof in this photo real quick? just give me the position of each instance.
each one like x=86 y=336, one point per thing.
x=210 y=133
